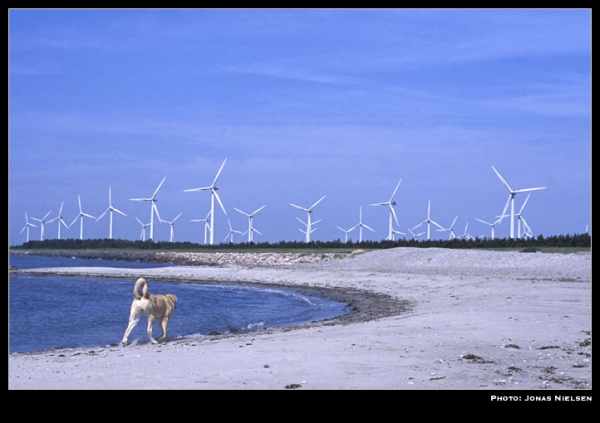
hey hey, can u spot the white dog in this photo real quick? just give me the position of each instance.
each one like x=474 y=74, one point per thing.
x=159 y=307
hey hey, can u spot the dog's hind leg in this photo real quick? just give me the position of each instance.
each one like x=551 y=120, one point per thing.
x=163 y=325
x=133 y=321
x=150 y=323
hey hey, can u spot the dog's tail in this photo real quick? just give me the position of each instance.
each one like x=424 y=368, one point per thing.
x=136 y=289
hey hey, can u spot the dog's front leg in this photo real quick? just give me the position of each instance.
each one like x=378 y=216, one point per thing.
x=150 y=323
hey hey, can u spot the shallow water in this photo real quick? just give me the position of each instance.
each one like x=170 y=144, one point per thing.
x=67 y=311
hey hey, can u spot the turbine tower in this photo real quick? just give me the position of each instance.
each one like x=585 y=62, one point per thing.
x=172 y=223
x=60 y=219
x=428 y=221
x=391 y=203
x=80 y=216
x=250 y=216
x=42 y=222
x=153 y=208
x=362 y=225
x=309 y=223
x=213 y=189
x=27 y=226
x=511 y=200
x=144 y=225
x=110 y=210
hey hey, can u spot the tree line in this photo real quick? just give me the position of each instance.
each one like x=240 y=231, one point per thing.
x=575 y=240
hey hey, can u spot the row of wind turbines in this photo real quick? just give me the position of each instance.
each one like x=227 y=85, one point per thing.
x=309 y=228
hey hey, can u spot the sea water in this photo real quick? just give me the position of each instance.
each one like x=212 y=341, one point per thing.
x=53 y=311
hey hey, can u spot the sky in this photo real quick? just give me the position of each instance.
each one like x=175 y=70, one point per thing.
x=303 y=103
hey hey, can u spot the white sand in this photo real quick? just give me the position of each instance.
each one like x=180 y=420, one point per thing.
x=477 y=320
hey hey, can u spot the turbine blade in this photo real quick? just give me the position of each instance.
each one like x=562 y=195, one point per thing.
x=102 y=215
x=298 y=207
x=159 y=185
x=529 y=189
x=219 y=173
x=524 y=202
x=369 y=228
x=502 y=179
x=156 y=210
x=257 y=210
x=119 y=211
x=395 y=190
x=379 y=204
x=313 y=206
x=219 y=200
x=394 y=214
x=197 y=189
x=242 y=212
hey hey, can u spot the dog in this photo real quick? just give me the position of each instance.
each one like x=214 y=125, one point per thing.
x=155 y=307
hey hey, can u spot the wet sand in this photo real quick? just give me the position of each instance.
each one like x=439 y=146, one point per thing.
x=424 y=319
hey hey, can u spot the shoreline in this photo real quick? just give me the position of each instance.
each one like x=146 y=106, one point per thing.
x=492 y=320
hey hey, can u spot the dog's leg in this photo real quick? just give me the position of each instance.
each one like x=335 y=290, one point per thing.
x=150 y=323
x=134 y=319
x=163 y=325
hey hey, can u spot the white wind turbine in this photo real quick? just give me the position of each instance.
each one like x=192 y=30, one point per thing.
x=526 y=229
x=465 y=234
x=231 y=232
x=511 y=200
x=361 y=225
x=60 y=219
x=42 y=222
x=491 y=224
x=309 y=223
x=250 y=216
x=172 y=223
x=206 y=225
x=110 y=210
x=391 y=203
x=428 y=221
x=451 y=234
x=347 y=231
x=144 y=225
x=213 y=188
x=153 y=208
x=414 y=235
x=27 y=226
x=80 y=216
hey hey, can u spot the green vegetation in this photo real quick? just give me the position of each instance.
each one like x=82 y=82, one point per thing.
x=560 y=243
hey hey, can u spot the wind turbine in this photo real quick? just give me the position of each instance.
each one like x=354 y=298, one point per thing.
x=347 y=231
x=491 y=224
x=391 y=203
x=153 y=208
x=60 y=219
x=450 y=229
x=361 y=225
x=81 y=215
x=231 y=232
x=27 y=226
x=414 y=235
x=465 y=234
x=110 y=209
x=206 y=224
x=428 y=221
x=251 y=229
x=526 y=229
x=309 y=223
x=172 y=223
x=213 y=188
x=42 y=222
x=511 y=200
x=144 y=225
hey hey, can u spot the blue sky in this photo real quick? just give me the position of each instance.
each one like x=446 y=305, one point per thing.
x=302 y=103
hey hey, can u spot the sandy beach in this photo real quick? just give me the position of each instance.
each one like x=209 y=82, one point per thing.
x=423 y=319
